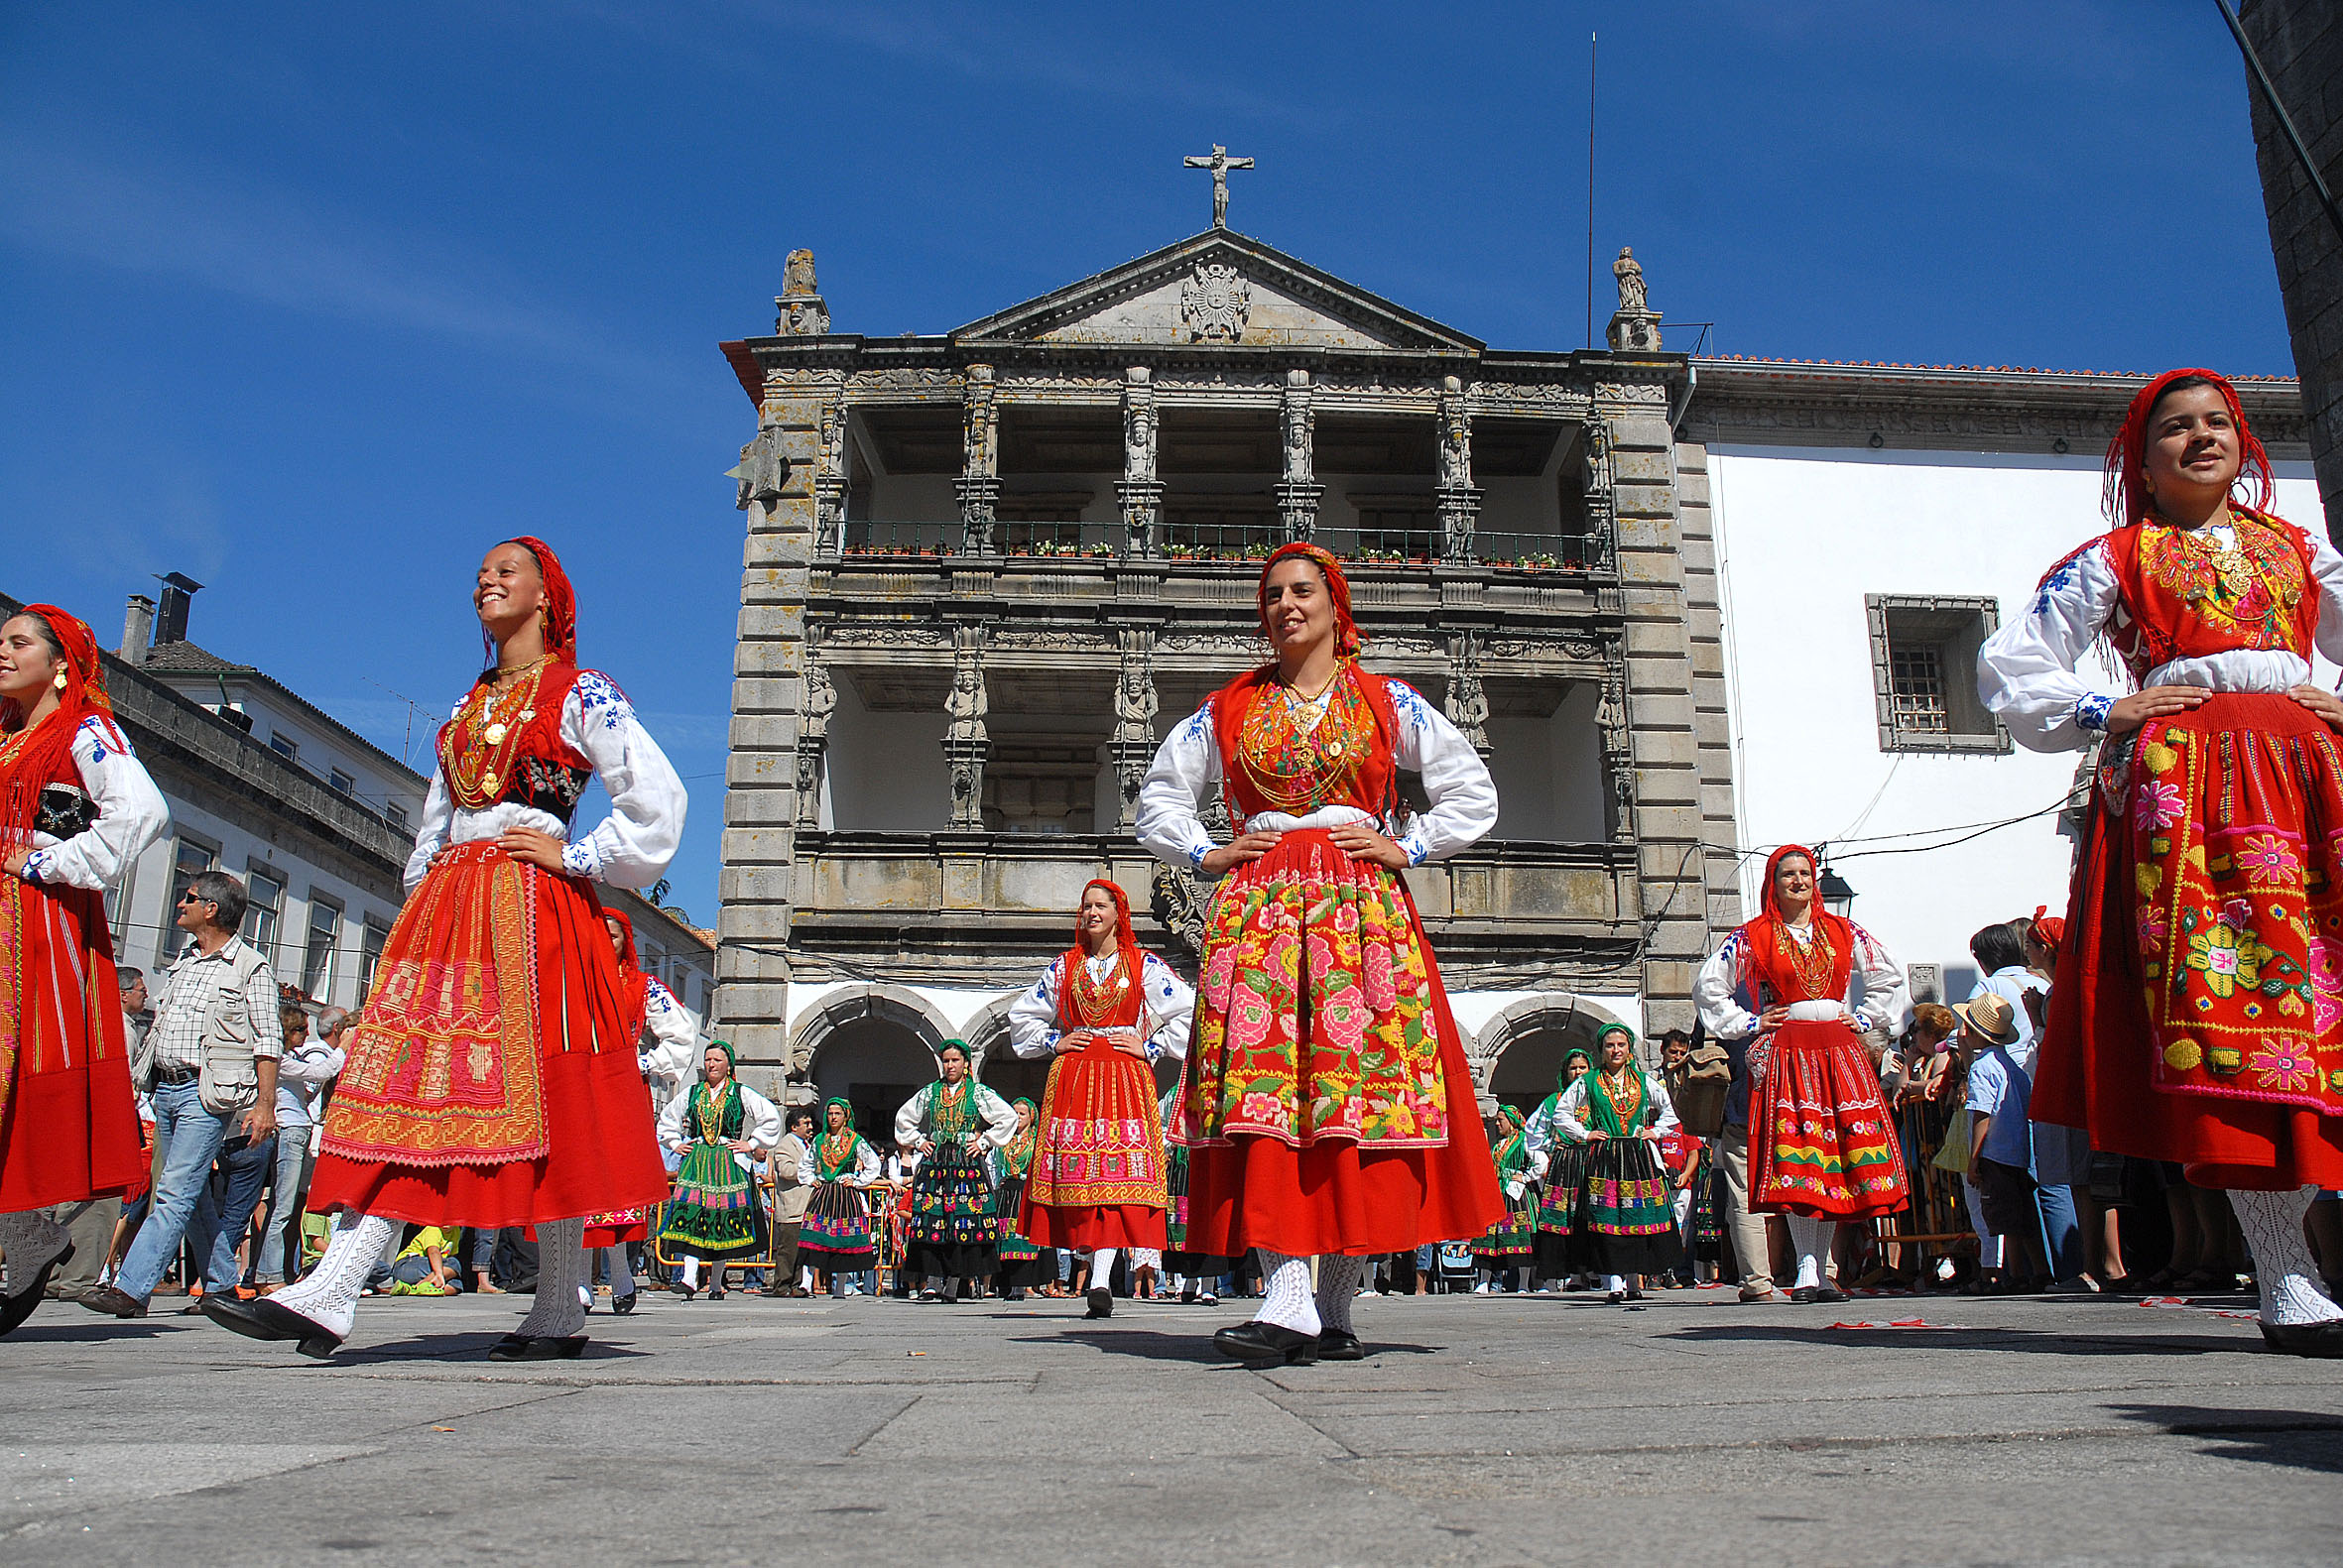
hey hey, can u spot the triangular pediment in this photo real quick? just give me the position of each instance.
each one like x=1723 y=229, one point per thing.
x=1218 y=288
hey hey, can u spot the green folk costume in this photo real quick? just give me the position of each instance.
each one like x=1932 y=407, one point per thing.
x=1024 y=1264
x=1630 y=1216
x=1509 y=1241
x=715 y=1211
x=955 y=1232
x=1563 y=1157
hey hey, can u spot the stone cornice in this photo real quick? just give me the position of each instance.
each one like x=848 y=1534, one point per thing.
x=1789 y=404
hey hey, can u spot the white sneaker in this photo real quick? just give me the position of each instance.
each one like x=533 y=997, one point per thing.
x=1481 y=1289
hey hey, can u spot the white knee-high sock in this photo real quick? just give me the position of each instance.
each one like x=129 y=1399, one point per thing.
x=1285 y=1293
x=1810 y=1236
x=556 y=1313
x=1339 y=1274
x=2282 y=1264
x=30 y=1239
x=692 y=1274
x=1615 y=1283
x=1103 y=1268
x=327 y=1295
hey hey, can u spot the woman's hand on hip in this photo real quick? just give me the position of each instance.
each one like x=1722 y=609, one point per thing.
x=2155 y=702
x=1360 y=841
x=1237 y=850
x=532 y=848
x=2321 y=701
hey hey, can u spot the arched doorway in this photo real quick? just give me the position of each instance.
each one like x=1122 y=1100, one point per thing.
x=1524 y=1044
x=874 y=1046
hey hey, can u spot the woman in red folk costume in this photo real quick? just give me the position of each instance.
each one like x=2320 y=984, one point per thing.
x=493 y=1077
x=1821 y=1147
x=2197 y=1012
x=1108 y=1010
x=1327 y=1106
x=665 y=1038
x=75 y=810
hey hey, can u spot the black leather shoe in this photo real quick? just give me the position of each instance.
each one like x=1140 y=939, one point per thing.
x=2321 y=1340
x=1340 y=1345
x=265 y=1319
x=1260 y=1344
x=1827 y=1292
x=112 y=1302
x=624 y=1304
x=526 y=1347
x=15 y=1308
x=1102 y=1302
x=1804 y=1295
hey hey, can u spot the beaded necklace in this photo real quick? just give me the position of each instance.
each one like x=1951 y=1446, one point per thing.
x=1298 y=765
x=710 y=1111
x=837 y=1150
x=477 y=747
x=954 y=1110
x=1813 y=961
x=1096 y=1000
x=1625 y=1091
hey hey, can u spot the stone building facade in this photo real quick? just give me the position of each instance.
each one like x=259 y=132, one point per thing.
x=987 y=571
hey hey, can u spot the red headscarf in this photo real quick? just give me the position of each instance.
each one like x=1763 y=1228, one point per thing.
x=2126 y=498
x=560 y=603
x=1124 y=935
x=1759 y=933
x=1346 y=630
x=634 y=986
x=2049 y=929
x=45 y=752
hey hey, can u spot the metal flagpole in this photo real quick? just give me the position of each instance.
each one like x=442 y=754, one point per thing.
x=1590 y=63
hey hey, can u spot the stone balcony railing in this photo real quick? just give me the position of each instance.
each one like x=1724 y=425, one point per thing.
x=1589 y=555
x=944 y=907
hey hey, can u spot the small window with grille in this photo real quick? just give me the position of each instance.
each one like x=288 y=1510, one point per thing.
x=1923 y=657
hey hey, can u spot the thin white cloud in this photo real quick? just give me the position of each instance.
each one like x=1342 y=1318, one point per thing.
x=282 y=249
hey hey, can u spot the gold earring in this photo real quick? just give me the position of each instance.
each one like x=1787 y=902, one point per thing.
x=61 y=680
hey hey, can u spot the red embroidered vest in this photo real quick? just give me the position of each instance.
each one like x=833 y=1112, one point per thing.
x=1114 y=1004
x=1360 y=721
x=2182 y=600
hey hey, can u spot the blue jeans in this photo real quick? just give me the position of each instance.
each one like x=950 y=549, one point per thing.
x=220 y=1222
x=187 y=1141
x=2061 y=1229
x=287 y=1187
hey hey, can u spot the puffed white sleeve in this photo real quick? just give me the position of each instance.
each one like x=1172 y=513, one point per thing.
x=911 y=1115
x=2027 y=671
x=671 y=1120
x=1716 y=991
x=762 y=1124
x=1568 y=1112
x=1000 y=1118
x=1887 y=993
x=1033 y=1017
x=1455 y=781
x=431 y=835
x=1179 y=781
x=866 y=1164
x=1171 y=1002
x=631 y=847
x=1537 y=1138
x=1656 y=1092
x=674 y=1034
x=130 y=814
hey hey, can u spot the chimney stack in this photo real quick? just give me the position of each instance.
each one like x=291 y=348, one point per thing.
x=171 y=622
x=138 y=629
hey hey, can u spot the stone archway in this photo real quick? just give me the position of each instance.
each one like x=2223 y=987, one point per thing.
x=873 y=1044
x=999 y=1068
x=1519 y=1052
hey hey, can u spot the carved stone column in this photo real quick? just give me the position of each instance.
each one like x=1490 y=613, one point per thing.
x=813 y=737
x=798 y=311
x=1458 y=501
x=966 y=741
x=829 y=475
x=1467 y=705
x=1136 y=706
x=1602 y=511
x=1297 y=489
x=979 y=484
x=1618 y=745
x=1140 y=493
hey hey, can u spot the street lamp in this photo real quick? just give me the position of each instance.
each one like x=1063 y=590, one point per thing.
x=1836 y=895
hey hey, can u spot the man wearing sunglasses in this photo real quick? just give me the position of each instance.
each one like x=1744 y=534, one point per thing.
x=212 y=1053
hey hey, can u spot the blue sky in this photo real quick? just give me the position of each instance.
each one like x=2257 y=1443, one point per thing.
x=315 y=302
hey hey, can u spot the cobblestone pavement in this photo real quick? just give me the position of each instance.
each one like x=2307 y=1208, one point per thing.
x=1499 y=1429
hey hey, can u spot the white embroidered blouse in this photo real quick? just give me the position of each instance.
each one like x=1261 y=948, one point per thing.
x=130 y=816
x=1189 y=768
x=631 y=847
x=1721 y=990
x=1168 y=1008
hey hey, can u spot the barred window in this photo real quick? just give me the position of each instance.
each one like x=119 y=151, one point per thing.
x=1923 y=657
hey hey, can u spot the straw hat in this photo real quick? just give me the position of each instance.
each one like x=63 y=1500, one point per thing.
x=1991 y=1018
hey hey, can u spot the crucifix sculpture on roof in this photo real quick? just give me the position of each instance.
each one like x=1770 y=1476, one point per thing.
x=1220 y=163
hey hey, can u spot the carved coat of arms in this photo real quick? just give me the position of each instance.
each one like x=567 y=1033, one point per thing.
x=1216 y=302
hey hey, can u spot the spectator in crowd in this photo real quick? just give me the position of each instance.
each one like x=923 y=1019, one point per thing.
x=426 y=1265
x=213 y=1056
x=309 y=1064
x=791 y=1195
x=93 y=1225
x=2001 y=1141
x=226 y=1206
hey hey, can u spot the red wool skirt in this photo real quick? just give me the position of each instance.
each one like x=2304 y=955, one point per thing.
x=1097 y=1176
x=69 y=1125
x=1321 y=1013
x=490 y=1081
x=2198 y=1015
x=1828 y=1147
